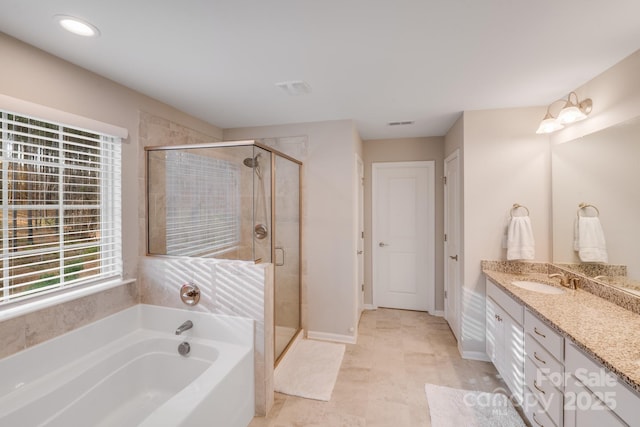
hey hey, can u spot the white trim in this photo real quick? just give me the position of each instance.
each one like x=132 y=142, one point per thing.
x=60 y=297
x=326 y=336
x=370 y=307
x=51 y=114
x=439 y=313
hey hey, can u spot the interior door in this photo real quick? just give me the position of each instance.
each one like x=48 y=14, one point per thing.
x=452 y=230
x=403 y=235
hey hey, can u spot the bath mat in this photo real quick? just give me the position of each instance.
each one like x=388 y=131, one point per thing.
x=452 y=407
x=309 y=369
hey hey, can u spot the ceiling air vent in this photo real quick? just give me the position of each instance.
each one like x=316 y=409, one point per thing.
x=402 y=123
x=295 y=87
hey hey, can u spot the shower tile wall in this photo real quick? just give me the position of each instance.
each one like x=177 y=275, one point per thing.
x=237 y=288
x=156 y=131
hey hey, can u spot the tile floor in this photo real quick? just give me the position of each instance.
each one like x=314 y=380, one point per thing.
x=382 y=377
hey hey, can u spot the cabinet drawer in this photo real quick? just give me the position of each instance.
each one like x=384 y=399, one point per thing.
x=548 y=397
x=508 y=304
x=583 y=409
x=535 y=413
x=552 y=341
x=603 y=383
x=544 y=360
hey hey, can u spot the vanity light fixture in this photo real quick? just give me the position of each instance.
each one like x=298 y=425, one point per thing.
x=572 y=111
x=77 y=26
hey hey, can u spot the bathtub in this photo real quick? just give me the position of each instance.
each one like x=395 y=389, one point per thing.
x=125 y=370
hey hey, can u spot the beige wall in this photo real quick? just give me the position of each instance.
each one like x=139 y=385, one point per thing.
x=505 y=162
x=616 y=98
x=329 y=304
x=38 y=77
x=43 y=79
x=402 y=150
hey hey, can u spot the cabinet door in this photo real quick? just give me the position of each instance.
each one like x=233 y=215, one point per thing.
x=583 y=409
x=492 y=338
x=513 y=359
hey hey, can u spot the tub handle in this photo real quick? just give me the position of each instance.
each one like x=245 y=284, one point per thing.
x=190 y=293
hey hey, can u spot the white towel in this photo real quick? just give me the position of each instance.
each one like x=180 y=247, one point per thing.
x=520 y=242
x=589 y=239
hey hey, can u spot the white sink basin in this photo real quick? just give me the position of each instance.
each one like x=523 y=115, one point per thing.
x=537 y=287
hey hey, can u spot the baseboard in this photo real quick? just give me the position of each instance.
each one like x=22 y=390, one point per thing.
x=439 y=313
x=369 y=307
x=325 y=336
x=475 y=355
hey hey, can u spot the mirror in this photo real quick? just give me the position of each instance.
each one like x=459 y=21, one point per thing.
x=602 y=170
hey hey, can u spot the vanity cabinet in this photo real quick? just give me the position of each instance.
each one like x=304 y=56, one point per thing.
x=504 y=338
x=544 y=373
x=595 y=396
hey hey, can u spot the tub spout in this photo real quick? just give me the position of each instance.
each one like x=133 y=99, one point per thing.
x=186 y=325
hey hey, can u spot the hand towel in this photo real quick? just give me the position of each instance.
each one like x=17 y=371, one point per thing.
x=520 y=242
x=589 y=240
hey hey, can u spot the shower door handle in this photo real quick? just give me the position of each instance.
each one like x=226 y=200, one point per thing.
x=279 y=248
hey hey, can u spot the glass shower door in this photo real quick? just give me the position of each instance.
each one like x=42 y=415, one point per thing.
x=286 y=256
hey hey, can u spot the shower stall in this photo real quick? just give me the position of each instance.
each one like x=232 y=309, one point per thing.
x=230 y=200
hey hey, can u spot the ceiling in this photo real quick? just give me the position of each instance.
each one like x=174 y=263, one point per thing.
x=373 y=61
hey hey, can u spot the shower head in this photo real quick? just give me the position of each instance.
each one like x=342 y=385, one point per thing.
x=251 y=162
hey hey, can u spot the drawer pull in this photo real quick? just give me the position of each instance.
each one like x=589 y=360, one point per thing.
x=538 y=388
x=536 y=421
x=538 y=332
x=535 y=355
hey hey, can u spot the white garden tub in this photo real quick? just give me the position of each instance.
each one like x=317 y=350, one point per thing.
x=125 y=370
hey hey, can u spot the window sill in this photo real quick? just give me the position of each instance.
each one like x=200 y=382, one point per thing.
x=12 y=310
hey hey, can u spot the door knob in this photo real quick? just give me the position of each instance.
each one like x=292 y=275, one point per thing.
x=455 y=258
x=383 y=244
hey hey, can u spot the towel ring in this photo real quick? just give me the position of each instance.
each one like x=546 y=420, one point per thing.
x=516 y=206
x=583 y=205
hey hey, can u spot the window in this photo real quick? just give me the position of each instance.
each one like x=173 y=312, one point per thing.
x=61 y=210
x=203 y=204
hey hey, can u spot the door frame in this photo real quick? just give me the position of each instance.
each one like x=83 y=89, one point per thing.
x=456 y=217
x=359 y=235
x=430 y=228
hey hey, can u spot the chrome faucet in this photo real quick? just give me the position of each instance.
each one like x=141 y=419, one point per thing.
x=186 y=325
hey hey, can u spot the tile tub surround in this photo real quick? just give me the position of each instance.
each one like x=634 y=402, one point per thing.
x=604 y=330
x=236 y=288
x=34 y=328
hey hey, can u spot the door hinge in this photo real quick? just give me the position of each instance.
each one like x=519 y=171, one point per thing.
x=362 y=287
x=445 y=294
x=445 y=237
x=444 y=180
x=362 y=234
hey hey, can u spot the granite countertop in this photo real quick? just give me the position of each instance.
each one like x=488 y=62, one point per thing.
x=604 y=330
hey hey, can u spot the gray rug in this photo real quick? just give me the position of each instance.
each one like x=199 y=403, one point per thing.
x=452 y=407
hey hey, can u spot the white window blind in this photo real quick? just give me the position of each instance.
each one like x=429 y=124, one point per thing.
x=203 y=204
x=60 y=195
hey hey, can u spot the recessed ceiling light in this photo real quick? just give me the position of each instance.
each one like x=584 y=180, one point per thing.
x=295 y=87
x=77 y=26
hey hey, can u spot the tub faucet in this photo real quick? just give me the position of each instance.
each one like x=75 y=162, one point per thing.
x=186 y=325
